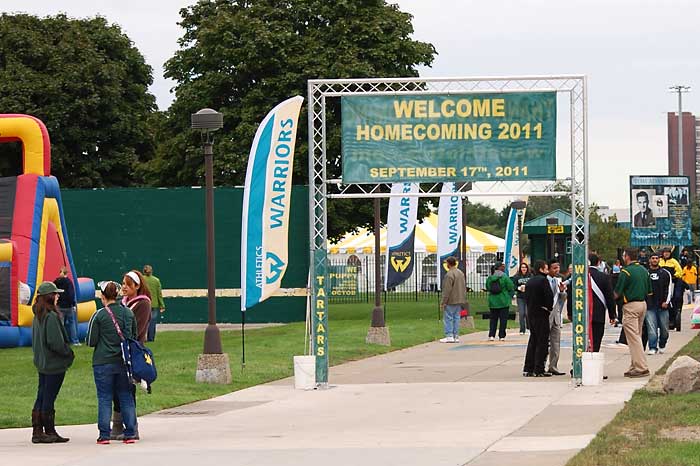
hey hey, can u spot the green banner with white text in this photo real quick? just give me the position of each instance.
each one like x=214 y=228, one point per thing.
x=449 y=137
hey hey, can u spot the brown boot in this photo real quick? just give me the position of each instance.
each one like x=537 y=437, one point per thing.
x=38 y=435
x=48 y=419
x=117 y=427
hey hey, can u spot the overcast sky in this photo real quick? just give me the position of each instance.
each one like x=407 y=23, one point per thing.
x=632 y=51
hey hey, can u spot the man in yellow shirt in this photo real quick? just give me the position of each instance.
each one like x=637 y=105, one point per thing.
x=690 y=275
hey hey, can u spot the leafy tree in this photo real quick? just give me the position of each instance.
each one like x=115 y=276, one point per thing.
x=541 y=205
x=486 y=218
x=606 y=235
x=88 y=83
x=242 y=57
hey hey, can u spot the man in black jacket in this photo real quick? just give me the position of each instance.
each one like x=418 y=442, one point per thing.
x=603 y=300
x=67 y=306
x=658 y=303
x=539 y=298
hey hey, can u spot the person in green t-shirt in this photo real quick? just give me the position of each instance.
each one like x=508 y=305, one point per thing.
x=632 y=288
x=157 y=303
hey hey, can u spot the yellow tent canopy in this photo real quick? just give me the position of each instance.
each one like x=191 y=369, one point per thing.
x=362 y=242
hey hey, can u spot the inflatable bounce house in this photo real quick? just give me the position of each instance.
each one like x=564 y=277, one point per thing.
x=33 y=236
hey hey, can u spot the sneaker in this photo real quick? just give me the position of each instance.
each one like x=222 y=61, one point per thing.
x=501 y=339
x=77 y=344
x=522 y=333
x=491 y=338
x=447 y=340
x=662 y=350
x=129 y=440
x=651 y=351
x=634 y=374
x=103 y=441
x=455 y=340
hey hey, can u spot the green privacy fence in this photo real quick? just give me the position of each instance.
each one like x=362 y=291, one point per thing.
x=114 y=230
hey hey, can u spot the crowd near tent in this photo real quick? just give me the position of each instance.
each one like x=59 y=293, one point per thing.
x=482 y=251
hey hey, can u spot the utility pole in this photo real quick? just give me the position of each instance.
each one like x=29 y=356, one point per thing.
x=680 y=89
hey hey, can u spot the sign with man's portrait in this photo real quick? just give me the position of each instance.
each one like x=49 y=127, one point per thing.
x=659 y=210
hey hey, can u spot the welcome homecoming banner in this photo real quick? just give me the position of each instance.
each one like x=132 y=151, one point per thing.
x=449 y=229
x=401 y=235
x=266 y=202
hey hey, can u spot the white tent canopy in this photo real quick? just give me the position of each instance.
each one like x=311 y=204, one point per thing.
x=426 y=240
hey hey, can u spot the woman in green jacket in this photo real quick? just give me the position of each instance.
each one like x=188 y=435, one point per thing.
x=52 y=358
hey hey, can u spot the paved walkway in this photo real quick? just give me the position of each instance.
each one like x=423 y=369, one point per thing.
x=431 y=405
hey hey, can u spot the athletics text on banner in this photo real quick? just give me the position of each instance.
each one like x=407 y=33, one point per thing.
x=401 y=235
x=449 y=229
x=266 y=202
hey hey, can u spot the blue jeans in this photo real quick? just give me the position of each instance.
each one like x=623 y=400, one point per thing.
x=47 y=392
x=111 y=379
x=522 y=314
x=155 y=311
x=70 y=322
x=451 y=319
x=657 y=320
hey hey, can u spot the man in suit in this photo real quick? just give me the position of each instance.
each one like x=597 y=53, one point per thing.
x=645 y=217
x=603 y=300
x=558 y=301
x=539 y=298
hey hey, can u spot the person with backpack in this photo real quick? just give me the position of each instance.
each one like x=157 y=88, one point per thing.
x=137 y=297
x=52 y=358
x=500 y=289
x=110 y=373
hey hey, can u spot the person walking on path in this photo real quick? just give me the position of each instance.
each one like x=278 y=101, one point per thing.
x=67 y=306
x=558 y=303
x=500 y=289
x=157 y=303
x=603 y=301
x=454 y=296
x=669 y=263
x=539 y=297
x=690 y=277
x=110 y=375
x=520 y=280
x=52 y=358
x=633 y=286
x=658 y=303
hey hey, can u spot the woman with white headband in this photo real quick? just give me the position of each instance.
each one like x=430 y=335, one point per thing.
x=137 y=298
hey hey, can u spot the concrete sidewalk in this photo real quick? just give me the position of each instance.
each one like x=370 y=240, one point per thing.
x=430 y=405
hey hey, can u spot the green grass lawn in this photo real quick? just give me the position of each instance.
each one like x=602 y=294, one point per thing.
x=636 y=436
x=269 y=354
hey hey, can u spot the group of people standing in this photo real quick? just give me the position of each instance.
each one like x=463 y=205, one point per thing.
x=54 y=330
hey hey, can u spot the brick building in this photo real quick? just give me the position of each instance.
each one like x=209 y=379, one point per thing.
x=691 y=148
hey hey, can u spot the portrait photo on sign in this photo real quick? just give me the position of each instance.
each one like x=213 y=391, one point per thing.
x=643 y=216
x=659 y=206
x=677 y=195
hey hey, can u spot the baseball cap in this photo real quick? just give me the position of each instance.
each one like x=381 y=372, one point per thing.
x=47 y=288
x=498 y=264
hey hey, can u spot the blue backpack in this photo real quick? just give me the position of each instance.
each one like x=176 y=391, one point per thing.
x=138 y=360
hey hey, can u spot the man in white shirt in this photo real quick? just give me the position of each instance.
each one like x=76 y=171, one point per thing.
x=559 y=291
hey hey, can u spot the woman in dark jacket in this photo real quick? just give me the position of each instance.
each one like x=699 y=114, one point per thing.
x=111 y=379
x=520 y=280
x=52 y=358
x=136 y=297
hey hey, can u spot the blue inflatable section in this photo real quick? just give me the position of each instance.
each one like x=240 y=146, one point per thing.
x=9 y=337
x=25 y=336
x=85 y=290
x=82 y=330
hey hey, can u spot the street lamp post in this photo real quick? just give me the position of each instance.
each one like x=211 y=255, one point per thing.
x=519 y=206
x=213 y=365
x=552 y=221
x=680 y=89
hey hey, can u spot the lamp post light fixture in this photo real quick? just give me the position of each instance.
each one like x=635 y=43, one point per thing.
x=213 y=365
x=550 y=222
x=519 y=206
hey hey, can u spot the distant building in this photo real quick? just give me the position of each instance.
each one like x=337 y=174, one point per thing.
x=691 y=148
